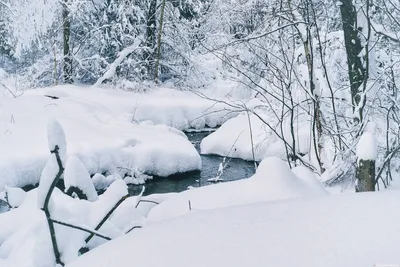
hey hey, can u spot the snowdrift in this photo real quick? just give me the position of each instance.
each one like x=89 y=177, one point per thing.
x=273 y=181
x=348 y=230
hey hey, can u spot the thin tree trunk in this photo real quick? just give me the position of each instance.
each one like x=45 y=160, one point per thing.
x=159 y=41
x=149 y=55
x=67 y=67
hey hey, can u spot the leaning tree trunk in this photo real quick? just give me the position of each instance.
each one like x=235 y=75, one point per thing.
x=67 y=67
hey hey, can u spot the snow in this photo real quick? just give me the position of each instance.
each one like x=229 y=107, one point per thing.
x=47 y=178
x=121 y=57
x=273 y=181
x=25 y=231
x=76 y=175
x=311 y=179
x=14 y=196
x=56 y=138
x=367 y=144
x=332 y=231
x=111 y=131
x=233 y=138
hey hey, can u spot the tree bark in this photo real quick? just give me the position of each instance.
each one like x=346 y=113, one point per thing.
x=67 y=67
x=160 y=31
x=356 y=70
x=365 y=176
x=149 y=55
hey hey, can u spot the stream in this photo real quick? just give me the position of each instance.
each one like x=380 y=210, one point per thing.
x=235 y=169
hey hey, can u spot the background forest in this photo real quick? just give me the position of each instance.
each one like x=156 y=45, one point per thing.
x=322 y=69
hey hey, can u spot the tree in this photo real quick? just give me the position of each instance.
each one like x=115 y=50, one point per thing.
x=357 y=66
x=67 y=67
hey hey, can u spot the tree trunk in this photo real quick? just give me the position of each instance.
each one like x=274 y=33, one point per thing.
x=149 y=56
x=159 y=42
x=67 y=67
x=356 y=70
x=365 y=176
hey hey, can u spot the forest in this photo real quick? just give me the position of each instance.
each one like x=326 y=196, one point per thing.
x=104 y=103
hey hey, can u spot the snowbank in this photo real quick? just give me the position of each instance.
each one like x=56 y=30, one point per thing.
x=24 y=235
x=328 y=232
x=233 y=138
x=273 y=181
x=99 y=131
x=178 y=109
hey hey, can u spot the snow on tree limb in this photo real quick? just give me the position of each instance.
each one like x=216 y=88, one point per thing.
x=121 y=57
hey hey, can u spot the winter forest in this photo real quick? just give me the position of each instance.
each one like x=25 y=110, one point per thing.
x=192 y=133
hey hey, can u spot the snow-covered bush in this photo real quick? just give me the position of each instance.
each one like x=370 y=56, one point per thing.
x=62 y=227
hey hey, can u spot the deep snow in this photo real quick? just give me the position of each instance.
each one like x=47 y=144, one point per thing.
x=348 y=230
x=108 y=130
x=273 y=181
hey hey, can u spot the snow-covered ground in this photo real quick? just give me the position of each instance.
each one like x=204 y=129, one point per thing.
x=115 y=131
x=349 y=230
x=273 y=181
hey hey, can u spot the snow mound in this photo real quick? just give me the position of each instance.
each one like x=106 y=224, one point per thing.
x=15 y=196
x=100 y=131
x=308 y=177
x=305 y=233
x=367 y=146
x=273 y=181
x=56 y=138
x=25 y=238
x=233 y=138
x=76 y=176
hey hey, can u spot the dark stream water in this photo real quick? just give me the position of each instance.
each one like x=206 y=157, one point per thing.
x=235 y=169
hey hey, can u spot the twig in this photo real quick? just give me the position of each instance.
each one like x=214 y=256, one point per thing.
x=134 y=227
x=252 y=141
x=106 y=218
x=46 y=205
x=81 y=228
x=146 y=201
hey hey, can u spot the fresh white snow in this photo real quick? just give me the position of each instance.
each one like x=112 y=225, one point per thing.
x=367 y=146
x=76 y=175
x=114 y=131
x=233 y=138
x=273 y=181
x=354 y=230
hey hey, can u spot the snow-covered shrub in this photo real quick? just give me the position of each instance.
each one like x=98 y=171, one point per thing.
x=62 y=227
